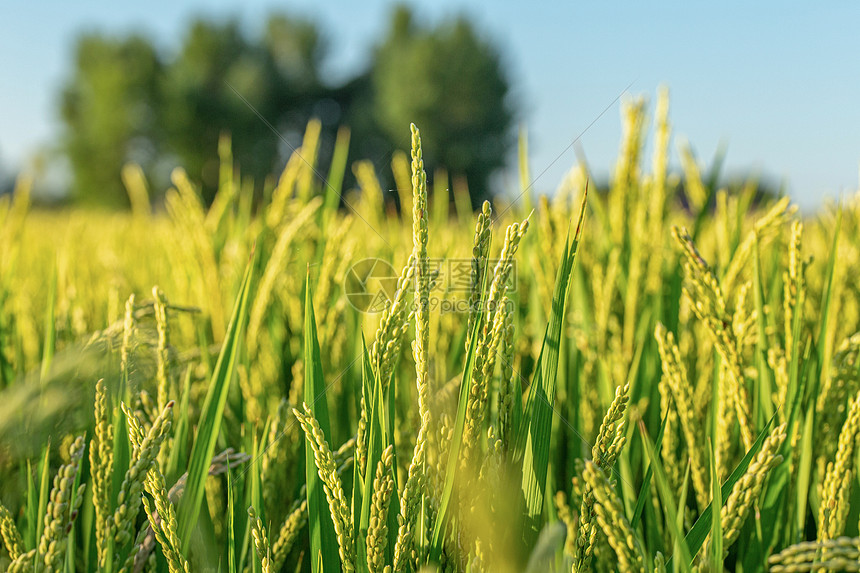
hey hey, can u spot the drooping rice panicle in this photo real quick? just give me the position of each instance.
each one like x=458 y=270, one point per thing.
x=610 y=440
x=284 y=190
x=145 y=451
x=842 y=554
x=340 y=513
x=61 y=511
x=503 y=270
x=386 y=345
x=670 y=446
x=793 y=274
x=693 y=184
x=610 y=516
x=372 y=203
x=162 y=360
x=659 y=191
x=377 y=531
x=281 y=450
x=24 y=563
x=659 y=563
x=261 y=541
x=490 y=336
x=745 y=492
x=186 y=208
x=836 y=485
x=706 y=297
x=565 y=514
x=675 y=375
x=12 y=539
x=134 y=181
x=485 y=361
x=831 y=406
x=777 y=216
x=310 y=151
x=289 y=534
x=161 y=513
x=403 y=180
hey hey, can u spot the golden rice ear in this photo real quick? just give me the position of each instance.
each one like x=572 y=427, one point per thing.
x=703 y=291
x=609 y=443
x=377 y=534
x=610 y=515
x=161 y=513
x=261 y=541
x=328 y=474
x=746 y=491
x=675 y=378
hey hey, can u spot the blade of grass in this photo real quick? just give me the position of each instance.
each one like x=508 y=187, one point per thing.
x=50 y=327
x=537 y=422
x=212 y=413
x=323 y=541
x=32 y=509
x=805 y=471
x=824 y=350
x=44 y=492
x=336 y=171
x=682 y=507
x=716 y=524
x=231 y=533
x=256 y=496
x=179 y=451
x=669 y=506
x=765 y=375
x=645 y=490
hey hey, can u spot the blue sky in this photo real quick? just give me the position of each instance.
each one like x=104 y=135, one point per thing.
x=777 y=82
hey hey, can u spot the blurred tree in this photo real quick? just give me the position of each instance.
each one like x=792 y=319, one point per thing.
x=449 y=81
x=127 y=102
x=110 y=110
x=221 y=81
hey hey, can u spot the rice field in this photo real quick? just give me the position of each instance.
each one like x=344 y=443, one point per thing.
x=661 y=376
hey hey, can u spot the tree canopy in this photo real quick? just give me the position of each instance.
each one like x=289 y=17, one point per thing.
x=127 y=99
x=111 y=109
x=449 y=81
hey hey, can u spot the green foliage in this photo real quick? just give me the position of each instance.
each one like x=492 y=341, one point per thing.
x=111 y=108
x=223 y=81
x=449 y=80
x=128 y=100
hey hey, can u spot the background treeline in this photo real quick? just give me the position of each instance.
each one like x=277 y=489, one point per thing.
x=127 y=99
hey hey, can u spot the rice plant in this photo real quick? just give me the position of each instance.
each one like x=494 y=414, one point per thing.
x=659 y=375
